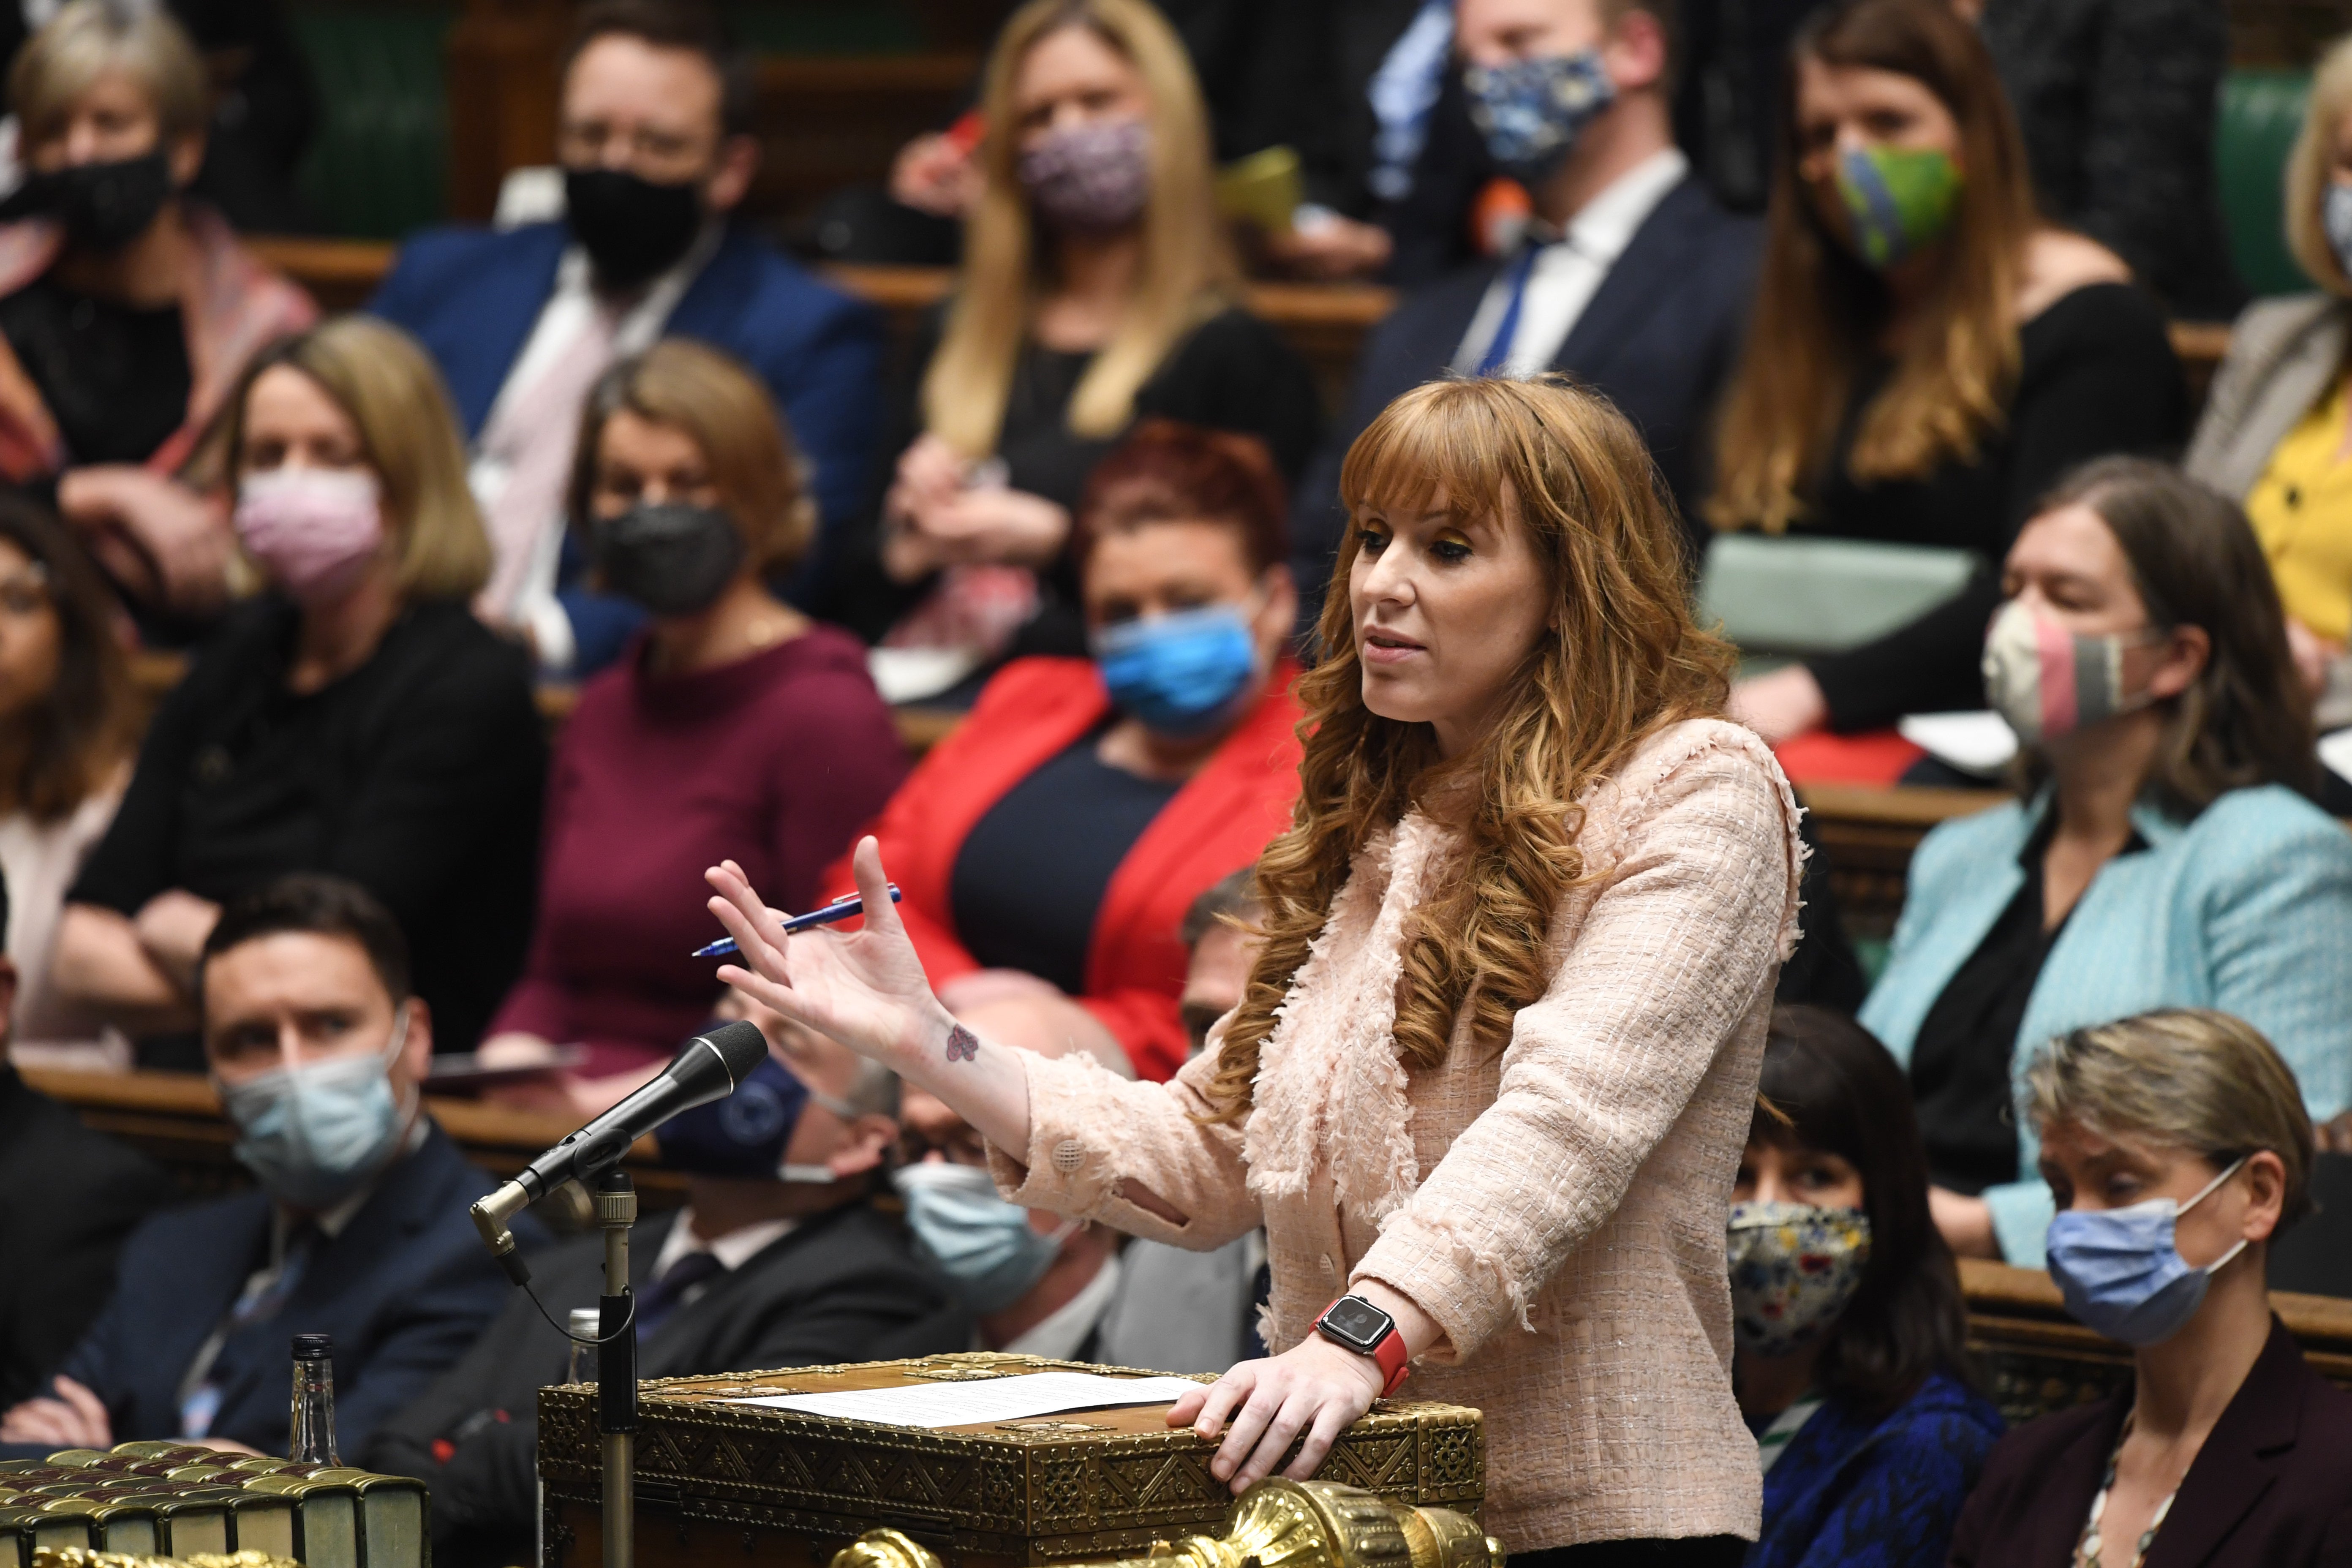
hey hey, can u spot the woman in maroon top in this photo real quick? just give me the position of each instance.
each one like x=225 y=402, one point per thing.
x=735 y=726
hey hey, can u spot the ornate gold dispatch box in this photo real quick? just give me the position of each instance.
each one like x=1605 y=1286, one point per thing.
x=719 y=1482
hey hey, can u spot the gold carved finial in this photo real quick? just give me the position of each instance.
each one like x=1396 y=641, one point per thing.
x=1277 y=1524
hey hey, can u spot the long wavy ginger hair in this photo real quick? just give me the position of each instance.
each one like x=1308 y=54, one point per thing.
x=1621 y=658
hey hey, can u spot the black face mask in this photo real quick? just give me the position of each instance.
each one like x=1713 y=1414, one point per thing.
x=632 y=228
x=674 y=560
x=104 y=207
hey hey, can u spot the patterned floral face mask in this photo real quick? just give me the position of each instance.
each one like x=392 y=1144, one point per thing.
x=1531 y=111
x=1794 y=1267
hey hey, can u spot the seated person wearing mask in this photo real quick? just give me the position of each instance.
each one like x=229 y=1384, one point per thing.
x=358 y=1229
x=354 y=718
x=1049 y=847
x=655 y=137
x=2177 y=1147
x=779 y=1259
x=1097 y=289
x=1035 y=1283
x=1849 y=1335
x=127 y=309
x=1178 y=1311
x=734 y=725
x=1921 y=366
x=2273 y=433
x=1631 y=278
x=60 y=1250
x=2163 y=852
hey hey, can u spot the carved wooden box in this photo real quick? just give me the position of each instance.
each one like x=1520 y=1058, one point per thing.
x=720 y=1483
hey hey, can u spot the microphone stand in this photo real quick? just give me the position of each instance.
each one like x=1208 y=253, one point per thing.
x=616 y=1369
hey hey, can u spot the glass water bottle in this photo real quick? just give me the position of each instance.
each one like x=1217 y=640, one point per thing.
x=311 y=1437
x=587 y=1326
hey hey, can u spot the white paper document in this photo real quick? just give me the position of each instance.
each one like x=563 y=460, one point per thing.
x=1982 y=743
x=985 y=1400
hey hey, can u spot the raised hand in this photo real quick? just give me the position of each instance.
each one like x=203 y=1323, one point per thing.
x=865 y=988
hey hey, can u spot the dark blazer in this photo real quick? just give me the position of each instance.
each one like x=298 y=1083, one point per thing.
x=473 y=295
x=403 y=1289
x=841 y=1286
x=1658 y=339
x=75 y=1194
x=2269 y=1490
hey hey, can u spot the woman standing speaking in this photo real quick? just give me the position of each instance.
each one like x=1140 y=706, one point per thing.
x=1489 y=1084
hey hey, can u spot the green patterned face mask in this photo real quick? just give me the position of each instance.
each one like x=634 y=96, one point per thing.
x=1897 y=201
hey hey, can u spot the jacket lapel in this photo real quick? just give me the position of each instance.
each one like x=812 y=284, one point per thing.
x=712 y=302
x=2073 y=1476
x=1646 y=274
x=479 y=349
x=2241 y=1460
x=2306 y=367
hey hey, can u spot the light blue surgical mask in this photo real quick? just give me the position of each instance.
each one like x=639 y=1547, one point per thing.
x=1531 y=111
x=1182 y=674
x=983 y=1243
x=2121 y=1273
x=312 y=1134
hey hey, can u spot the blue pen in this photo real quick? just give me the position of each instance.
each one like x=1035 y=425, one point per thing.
x=841 y=908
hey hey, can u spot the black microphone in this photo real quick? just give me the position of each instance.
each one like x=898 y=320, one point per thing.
x=707 y=1068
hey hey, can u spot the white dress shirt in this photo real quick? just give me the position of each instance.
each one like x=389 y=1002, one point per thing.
x=1568 y=271
x=565 y=316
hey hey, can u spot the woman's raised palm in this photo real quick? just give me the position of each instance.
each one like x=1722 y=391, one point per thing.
x=865 y=988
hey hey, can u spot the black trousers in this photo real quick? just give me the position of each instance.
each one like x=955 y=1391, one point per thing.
x=1688 y=1552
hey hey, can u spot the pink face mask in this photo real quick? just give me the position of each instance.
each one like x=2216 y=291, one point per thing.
x=314 y=530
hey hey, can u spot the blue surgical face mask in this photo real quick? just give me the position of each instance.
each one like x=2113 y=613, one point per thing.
x=2121 y=1273
x=1182 y=674
x=1531 y=111
x=984 y=1244
x=746 y=1133
x=313 y=1134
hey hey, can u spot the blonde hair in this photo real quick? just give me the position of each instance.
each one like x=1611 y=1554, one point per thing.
x=1187 y=271
x=1818 y=309
x=381 y=378
x=88 y=39
x=2182 y=1077
x=726 y=411
x=2308 y=169
x=1624 y=658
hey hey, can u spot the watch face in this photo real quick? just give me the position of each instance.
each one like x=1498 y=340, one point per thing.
x=1360 y=1322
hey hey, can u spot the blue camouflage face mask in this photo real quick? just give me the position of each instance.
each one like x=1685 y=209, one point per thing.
x=1182 y=674
x=313 y=1134
x=746 y=1133
x=1531 y=111
x=2121 y=1273
x=986 y=1246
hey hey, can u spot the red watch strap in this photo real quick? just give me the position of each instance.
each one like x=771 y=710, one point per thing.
x=1388 y=1352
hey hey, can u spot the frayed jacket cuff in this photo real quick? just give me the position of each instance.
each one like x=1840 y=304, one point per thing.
x=1440 y=1272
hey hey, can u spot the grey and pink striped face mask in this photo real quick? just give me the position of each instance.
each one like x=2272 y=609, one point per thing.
x=2048 y=681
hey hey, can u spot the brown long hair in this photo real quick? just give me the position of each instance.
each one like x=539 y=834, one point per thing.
x=1625 y=659
x=2244 y=721
x=67 y=746
x=1819 y=309
x=1188 y=272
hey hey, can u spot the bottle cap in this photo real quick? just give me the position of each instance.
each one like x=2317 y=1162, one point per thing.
x=314 y=1347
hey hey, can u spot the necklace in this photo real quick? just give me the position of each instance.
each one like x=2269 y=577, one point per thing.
x=2088 y=1546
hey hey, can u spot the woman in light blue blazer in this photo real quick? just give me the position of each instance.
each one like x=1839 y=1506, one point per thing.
x=2163 y=852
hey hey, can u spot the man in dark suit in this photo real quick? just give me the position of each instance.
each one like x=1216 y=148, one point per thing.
x=359 y=1230
x=78 y=1194
x=778 y=1260
x=655 y=135
x=1631 y=278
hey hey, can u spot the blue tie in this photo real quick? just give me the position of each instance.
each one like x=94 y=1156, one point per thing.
x=1498 y=347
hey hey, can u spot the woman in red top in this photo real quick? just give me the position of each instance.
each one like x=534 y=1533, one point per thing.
x=1048 y=849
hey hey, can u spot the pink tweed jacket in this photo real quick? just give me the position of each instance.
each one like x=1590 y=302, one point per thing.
x=1555 y=1200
